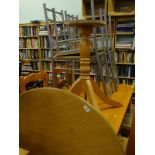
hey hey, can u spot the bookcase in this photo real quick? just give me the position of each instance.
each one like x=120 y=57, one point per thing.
x=123 y=32
x=123 y=12
x=104 y=37
x=124 y=48
x=29 y=46
x=124 y=52
x=86 y=7
x=121 y=7
x=34 y=50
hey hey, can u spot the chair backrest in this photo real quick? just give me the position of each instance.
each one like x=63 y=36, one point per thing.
x=24 y=80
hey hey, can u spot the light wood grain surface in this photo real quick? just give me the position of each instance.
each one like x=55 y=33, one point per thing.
x=114 y=116
x=57 y=122
x=23 y=151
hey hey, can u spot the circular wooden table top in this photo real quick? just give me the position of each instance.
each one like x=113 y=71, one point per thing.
x=57 y=122
x=81 y=23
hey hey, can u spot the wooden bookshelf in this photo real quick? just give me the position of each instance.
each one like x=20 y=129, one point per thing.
x=86 y=8
x=121 y=7
x=124 y=33
x=123 y=77
x=34 y=51
x=122 y=13
x=123 y=52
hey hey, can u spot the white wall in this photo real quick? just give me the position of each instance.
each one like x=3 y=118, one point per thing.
x=33 y=9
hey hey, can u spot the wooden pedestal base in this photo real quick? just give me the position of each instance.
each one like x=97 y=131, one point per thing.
x=84 y=84
x=91 y=92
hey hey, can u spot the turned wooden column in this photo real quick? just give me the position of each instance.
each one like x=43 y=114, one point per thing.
x=85 y=27
x=84 y=84
x=85 y=32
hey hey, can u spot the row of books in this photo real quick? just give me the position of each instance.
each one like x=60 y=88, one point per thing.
x=28 y=54
x=30 y=31
x=126 y=71
x=30 y=66
x=125 y=6
x=46 y=66
x=27 y=31
x=124 y=41
x=125 y=81
x=125 y=29
x=43 y=30
x=53 y=30
x=94 y=69
x=103 y=43
x=33 y=43
x=46 y=54
x=43 y=33
x=28 y=43
x=124 y=57
x=44 y=43
x=125 y=26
